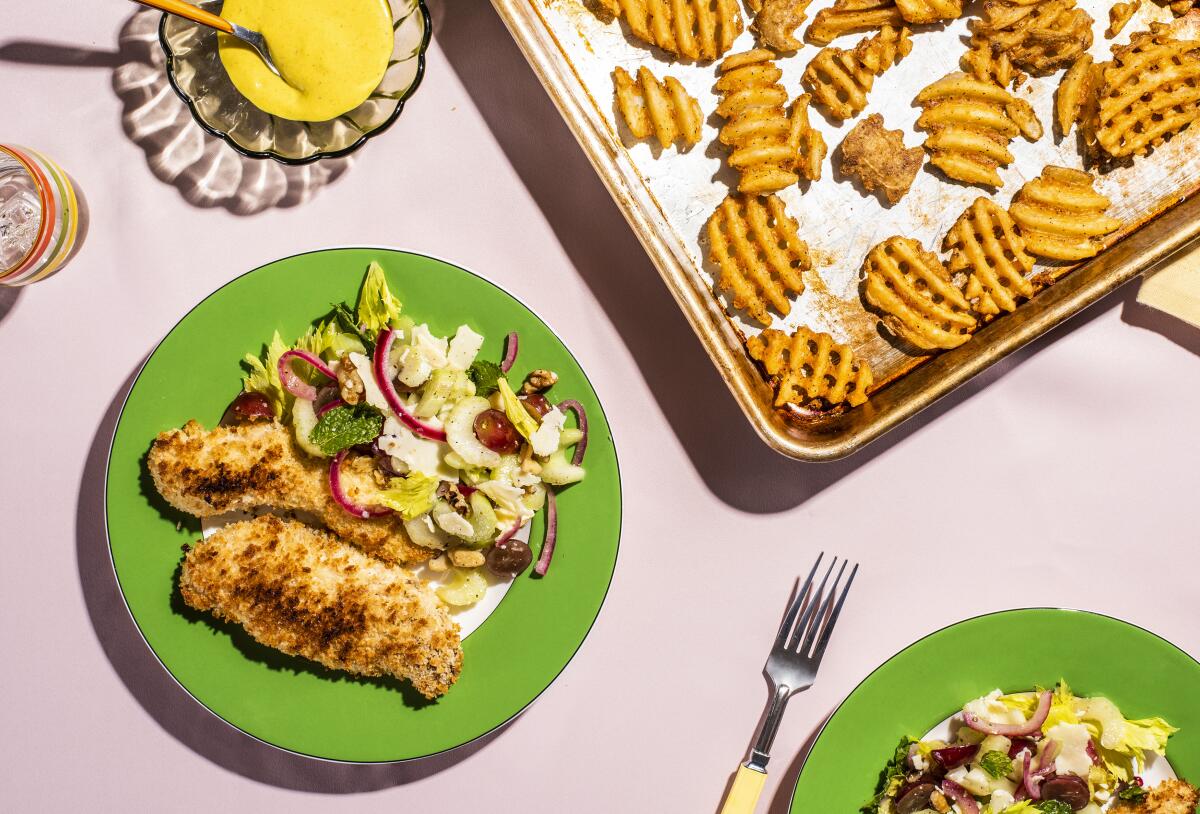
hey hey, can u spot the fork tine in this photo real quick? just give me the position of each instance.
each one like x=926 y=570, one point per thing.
x=823 y=614
x=789 y=618
x=821 y=645
x=810 y=608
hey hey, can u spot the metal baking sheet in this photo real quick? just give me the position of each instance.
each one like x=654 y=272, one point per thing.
x=669 y=195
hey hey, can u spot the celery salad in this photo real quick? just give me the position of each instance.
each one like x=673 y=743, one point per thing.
x=462 y=450
x=1045 y=752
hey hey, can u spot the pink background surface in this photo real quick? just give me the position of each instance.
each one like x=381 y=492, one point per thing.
x=1064 y=476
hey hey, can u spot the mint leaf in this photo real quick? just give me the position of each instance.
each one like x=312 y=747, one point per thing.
x=1053 y=807
x=997 y=764
x=1134 y=794
x=485 y=374
x=350 y=325
x=344 y=427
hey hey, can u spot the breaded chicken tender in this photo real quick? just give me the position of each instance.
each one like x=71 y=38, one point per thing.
x=306 y=593
x=1168 y=797
x=240 y=468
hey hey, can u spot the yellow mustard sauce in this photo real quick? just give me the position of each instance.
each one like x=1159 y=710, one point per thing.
x=333 y=53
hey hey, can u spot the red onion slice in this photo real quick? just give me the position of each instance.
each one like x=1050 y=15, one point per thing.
x=335 y=487
x=1091 y=752
x=1013 y=730
x=581 y=417
x=1030 y=782
x=329 y=405
x=508 y=535
x=961 y=796
x=293 y=383
x=1046 y=761
x=383 y=349
x=543 y=563
x=511 y=346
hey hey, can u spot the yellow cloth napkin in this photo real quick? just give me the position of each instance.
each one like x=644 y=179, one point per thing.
x=1174 y=287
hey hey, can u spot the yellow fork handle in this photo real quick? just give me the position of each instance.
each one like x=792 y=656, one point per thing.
x=190 y=12
x=745 y=791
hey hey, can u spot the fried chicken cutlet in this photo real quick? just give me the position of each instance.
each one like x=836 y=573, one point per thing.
x=240 y=468
x=1168 y=797
x=306 y=593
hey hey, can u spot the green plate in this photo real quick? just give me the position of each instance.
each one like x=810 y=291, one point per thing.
x=287 y=701
x=929 y=681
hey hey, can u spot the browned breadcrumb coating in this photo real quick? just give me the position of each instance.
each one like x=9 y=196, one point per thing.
x=306 y=593
x=776 y=21
x=1168 y=797
x=877 y=157
x=240 y=468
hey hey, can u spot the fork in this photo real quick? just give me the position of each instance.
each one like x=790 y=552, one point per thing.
x=791 y=668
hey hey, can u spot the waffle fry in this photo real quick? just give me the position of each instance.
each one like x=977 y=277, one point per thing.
x=1150 y=91
x=691 y=29
x=775 y=22
x=758 y=249
x=913 y=291
x=970 y=124
x=771 y=146
x=1119 y=16
x=1076 y=91
x=840 y=80
x=849 y=16
x=1061 y=216
x=809 y=367
x=920 y=12
x=984 y=244
x=987 y=65
x=878 y=158
x=660 y=109
x=1039 y=36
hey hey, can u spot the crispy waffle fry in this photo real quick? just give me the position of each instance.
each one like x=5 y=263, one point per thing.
x=1075 y=92
x=840 y=80
x=970 y=124
x=1119 y=16
x=1040 y=36
x=770 y=145
x=756 y=245
x=1150 y=90
x=984 y=244
x=692 y=29
x=660 y=109
x=988 y=65
x=849 y=16
x=808 y=367
x=1061 y=216
x=920 y=12
x=878 y=158
x=913 y=290
x=775 y=22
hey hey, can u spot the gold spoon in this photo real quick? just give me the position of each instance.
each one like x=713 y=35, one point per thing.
x=198 y=15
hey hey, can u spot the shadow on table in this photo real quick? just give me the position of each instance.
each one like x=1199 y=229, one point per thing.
x=736 y=466
x=169 y=704
x=1143 y=316
x=8 y=301
x=205 y=170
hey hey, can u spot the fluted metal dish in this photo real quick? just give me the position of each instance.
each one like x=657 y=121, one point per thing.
x=195 y=72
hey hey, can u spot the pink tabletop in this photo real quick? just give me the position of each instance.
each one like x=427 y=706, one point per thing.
x=1065 y=476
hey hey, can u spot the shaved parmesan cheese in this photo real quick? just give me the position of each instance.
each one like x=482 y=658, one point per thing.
x=463 y=348
x=545 y=439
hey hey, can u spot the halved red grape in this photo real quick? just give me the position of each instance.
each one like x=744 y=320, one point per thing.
x=509 y=558
x=954 y=756
x=536 y=405
x=496 y=432
x=915 y=798
x=1022 y=743
x=1069 y=789
x=247 y=408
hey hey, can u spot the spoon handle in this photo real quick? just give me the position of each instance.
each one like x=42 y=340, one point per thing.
x=190 y=12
